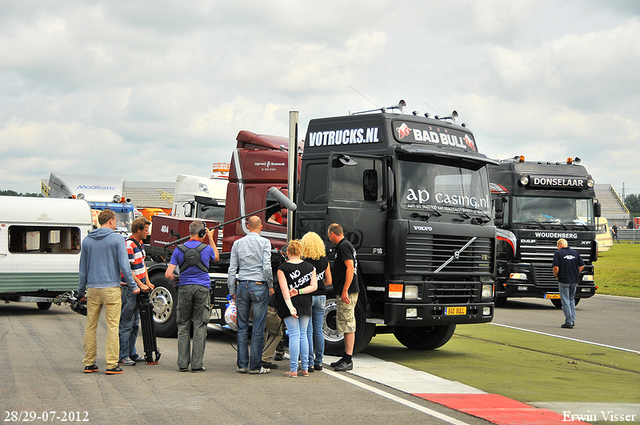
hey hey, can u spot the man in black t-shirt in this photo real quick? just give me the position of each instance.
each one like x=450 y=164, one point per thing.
x=345 y=286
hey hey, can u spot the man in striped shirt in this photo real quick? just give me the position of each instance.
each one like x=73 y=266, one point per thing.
x=130 y=315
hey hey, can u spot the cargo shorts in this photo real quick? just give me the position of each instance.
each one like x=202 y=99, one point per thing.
x=345 y=315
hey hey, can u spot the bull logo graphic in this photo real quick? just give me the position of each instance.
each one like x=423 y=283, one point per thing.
x=403 y=131
x=469 y=141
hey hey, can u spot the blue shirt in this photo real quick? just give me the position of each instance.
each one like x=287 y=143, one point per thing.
x=568 y=263
x=251 y=259
x=193 y=275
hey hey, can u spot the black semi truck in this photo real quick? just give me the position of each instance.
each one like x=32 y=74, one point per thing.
x=412 y=194
x=537 y=203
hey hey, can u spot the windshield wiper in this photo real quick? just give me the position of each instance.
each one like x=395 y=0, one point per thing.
x=486 y=218
x=425 y=216
x=557 y=222
x=536 y=222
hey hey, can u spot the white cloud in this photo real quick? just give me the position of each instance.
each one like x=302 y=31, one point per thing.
x=177 y=81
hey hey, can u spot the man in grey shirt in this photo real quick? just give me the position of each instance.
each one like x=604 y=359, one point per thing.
x=251 y=259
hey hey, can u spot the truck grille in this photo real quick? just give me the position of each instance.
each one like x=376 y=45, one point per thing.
x=541 y=257
x=425 y=253
x=453 y=293
x=544 y=275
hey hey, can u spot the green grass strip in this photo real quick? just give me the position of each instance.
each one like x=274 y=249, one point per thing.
x=524 y=366
x=616 y=271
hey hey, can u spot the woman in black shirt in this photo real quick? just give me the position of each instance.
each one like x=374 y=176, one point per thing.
x=297 y=281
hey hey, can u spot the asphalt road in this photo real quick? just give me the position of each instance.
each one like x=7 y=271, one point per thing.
x=602 y=319
x=41 y=372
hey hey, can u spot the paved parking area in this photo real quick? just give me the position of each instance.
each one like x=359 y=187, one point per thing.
x=41 y=371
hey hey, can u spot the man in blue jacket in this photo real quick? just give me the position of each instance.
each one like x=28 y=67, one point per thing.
x=102 y=260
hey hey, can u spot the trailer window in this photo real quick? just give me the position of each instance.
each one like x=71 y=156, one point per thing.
x=44 y=239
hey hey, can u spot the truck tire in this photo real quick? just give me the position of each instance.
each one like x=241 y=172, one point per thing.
x=558 y=303
x=164 y=299
x=333 y=341
x=424 y=337
x=44 y=306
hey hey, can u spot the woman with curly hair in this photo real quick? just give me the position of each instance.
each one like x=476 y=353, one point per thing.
x=313 y=251
x=297 y=280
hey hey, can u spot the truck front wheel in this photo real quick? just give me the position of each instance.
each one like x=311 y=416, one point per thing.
x=424 y=337
x=164 y=299
x=334 y=341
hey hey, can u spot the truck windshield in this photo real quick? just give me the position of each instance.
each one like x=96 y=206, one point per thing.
x=443 y=188
x=123 y=221
x=210 y=212
x=548 y=210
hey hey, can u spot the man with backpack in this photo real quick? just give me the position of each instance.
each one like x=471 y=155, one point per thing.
x=194 y=286
x=130 y=314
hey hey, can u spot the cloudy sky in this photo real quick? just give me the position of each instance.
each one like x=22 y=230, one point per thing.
x=150 y=89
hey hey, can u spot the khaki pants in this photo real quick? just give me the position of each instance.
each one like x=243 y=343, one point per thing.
x=273 y=334
x=111 y=299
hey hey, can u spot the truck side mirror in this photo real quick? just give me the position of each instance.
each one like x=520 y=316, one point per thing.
x=498 y=205
x=597 y=209
x=370 y=185
x=187 y=209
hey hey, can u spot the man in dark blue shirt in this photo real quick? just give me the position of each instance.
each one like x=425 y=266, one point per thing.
x=567 y=266
x=194 y=289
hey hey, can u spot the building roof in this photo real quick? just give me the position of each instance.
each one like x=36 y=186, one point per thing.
x=150 y=194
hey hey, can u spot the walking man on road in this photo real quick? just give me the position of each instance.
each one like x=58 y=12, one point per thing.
x=194 y=290
x=345 y=286
x=251 y=260
x=567 y=266
x=102 y=260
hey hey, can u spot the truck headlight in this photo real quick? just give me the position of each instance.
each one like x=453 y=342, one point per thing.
x=487 y=291
x=411 y=292
x=411 y=312
x=587 y=278
x=518 y=276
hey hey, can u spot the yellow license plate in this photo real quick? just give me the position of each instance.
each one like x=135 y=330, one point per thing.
x=455 y=311
x=552 y=296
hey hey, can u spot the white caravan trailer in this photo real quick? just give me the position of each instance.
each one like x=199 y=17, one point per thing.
x=40 y=243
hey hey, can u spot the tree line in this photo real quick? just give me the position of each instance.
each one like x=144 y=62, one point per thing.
x=14 y=193
x=633 y=204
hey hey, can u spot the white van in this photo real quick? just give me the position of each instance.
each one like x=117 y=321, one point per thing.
x=40 y=243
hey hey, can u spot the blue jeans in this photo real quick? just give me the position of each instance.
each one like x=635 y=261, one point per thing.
x=129 y=323
x=298 y=344
x=568 y=299
x=314 y=330
x=251 y=296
